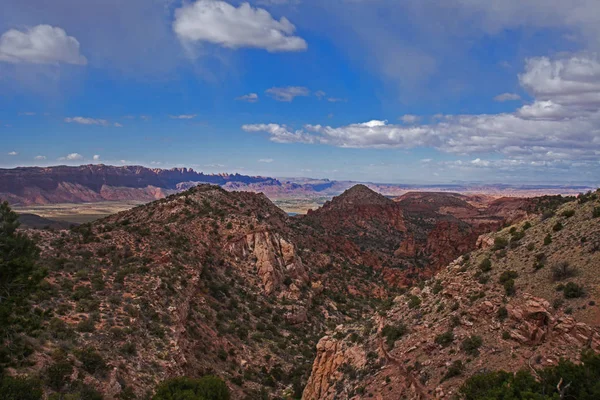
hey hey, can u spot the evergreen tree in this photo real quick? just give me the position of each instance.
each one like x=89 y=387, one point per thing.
x=20 y=275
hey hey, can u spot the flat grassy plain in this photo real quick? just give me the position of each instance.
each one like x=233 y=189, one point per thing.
x=78 y=213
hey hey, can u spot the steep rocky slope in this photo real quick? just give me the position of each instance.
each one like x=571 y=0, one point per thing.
x=526 y=299
x=409 y=238
x=207 y=281
x=211 y=281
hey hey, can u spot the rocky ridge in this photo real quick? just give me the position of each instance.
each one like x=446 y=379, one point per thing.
x=220 y=282
x=525 y=300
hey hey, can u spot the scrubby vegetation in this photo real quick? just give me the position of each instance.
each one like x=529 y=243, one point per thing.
x=562 y=271
x=564 y=381
x=206 y=388
x=20 y=277
x=393 y=333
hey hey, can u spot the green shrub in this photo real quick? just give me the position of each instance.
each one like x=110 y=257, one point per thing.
x=548 y=214
x=393 y=333
x=562 y=270
x=437 y=287
x=573 y=291
x=485 y=265
x=499 y=243
x=596 y=212
x=129 y=349
x=547 y=239
x=538 y=265
x=531 y=246
x=509 y=287
x=59 y=329
x=206 y=388
x=526 y=225
x=568 y=213
x=92 y=361
x=502 y=313
x=57 y=374
x=557 y=303
x=557 y=227
x=414 y=301
x=456 y=369
x=17 y=388
x=579 y=381
x=20 y=276
x=499 y=385
x=471 y=345
x=445 y=339
x=507 y=276
x=86 y=326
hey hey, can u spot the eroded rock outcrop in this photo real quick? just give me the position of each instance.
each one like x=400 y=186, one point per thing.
x=332 y=354
x=274 y=258
x=508 y=313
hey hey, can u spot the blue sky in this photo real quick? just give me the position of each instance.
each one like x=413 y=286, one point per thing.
x=379 y=90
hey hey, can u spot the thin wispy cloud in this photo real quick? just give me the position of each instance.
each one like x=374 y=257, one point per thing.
x=507 y=97
x=410 y=119
x=249 y=98
x=71 y=157
x=287 y=94
x=87 y=121
x=183 y=116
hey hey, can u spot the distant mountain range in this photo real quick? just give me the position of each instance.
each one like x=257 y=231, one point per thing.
x=93 y=183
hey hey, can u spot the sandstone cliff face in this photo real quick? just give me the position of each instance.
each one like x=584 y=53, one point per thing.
x=332 y=355
x=273 y=257
x=448 y=240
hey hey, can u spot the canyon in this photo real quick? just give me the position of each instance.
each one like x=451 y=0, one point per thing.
x=226 y=283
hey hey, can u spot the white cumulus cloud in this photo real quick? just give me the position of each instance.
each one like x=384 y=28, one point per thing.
x=266 y=160
x=96 y=157
x=39 y=158
x=563 y=122
x=42 y=44
x=13 y=153
x=233 y=27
